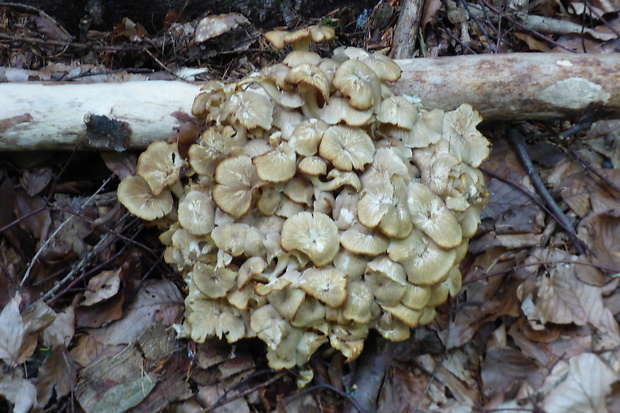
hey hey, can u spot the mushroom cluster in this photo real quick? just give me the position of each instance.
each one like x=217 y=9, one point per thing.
x=316 y=205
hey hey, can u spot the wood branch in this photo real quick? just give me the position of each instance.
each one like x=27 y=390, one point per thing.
x=501 y=87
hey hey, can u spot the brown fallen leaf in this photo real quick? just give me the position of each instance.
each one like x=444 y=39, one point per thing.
x=102 y=287
x=11 y=332
x=579 y=385
x=157 y=301
x=57 y=373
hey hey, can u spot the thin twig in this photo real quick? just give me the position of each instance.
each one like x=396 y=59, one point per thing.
x=521 y=150
x=57 y=231
x=246 y=392
x=521 y=266
x=328 y=387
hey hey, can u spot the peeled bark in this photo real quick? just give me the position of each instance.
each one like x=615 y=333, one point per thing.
x=501 y=87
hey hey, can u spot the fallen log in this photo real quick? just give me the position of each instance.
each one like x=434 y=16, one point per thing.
x=502 y=87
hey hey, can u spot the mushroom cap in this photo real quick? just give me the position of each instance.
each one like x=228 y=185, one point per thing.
x=385 y=67
x=300 y=57
x=391 y=328
x=160 y=165
x=347 y=148
x=135 y=194
x=404 y=314
x=416 y=297
x=237 y=239
x=311 y=313
x=313 y=166
x=386 y=164
x=287 y=301
x=309 y=77
x=424 y=261
x=429 y=213
x=351 y=264
x=277 y=165
x=359 y=84
x=236 y=180
x=197 y=212
x=213 y=282
x=359 y=302
x=215 y=145
x=307 y=136
x=374 y=204
x=208 y=318
x=387 y=280
x=269 y=325
x=397 y=111
x=314 y=234
x=250 y=109
x=459 y=128
x=362 y=240
x=338 y=110
x=426 y=131
x=299 y=190
x=328 y=285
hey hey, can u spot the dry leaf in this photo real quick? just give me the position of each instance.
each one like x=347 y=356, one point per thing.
x=505 y=367
x=62 y=329
x=11 y=332
x=157 y=301
x=101 y=287
x=57 y=373
x=587 y=381
x=18 y=391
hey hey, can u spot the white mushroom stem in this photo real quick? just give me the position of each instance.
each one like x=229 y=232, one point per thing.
x=502 y=87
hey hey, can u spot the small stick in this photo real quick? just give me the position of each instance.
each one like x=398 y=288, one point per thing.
x=516 y=139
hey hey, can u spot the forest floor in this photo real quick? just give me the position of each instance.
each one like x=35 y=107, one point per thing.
x=87 y=301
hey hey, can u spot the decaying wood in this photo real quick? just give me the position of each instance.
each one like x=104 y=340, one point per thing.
x=501 y=87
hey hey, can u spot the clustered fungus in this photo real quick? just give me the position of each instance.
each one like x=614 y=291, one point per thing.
x=316 y=205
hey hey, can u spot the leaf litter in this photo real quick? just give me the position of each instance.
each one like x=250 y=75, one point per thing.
x=88 y=309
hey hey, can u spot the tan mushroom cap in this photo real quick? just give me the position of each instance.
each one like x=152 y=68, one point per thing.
x=300 y=57
x=391 y=328
x=311 y=313
x=314 y=234
x=385 y=67
x=269 y=325
x=373 y=204
x=299 y=190
x=277 y=165
x=359 y=84
x=428 y=315
x=359 y=302
x=309 y=77
x=327 y=284
x=237 y=239
x=313 y=166
x=250 y=109
x=351 y=264
x=424 y=261
x=236 y=180
x=307 y=136
x=213 y=282
x=459 y=129
x=209 y=318
x=270 y=199
x=215 y=145
x=397 y=111
x=336 y=179
x=404 y=314
x=252 y=267
x=416 y=297
x=429 y=213
x=197 y=212
x=300 y=39
x=387 y=280
x=338 y=110
x=396 y=223
x=345 y=208
x=386 y=164
x=160 y=165
x=347 y=148
x=362 y=240
x=426 y=131
x=287 y=301
x=135 y=194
